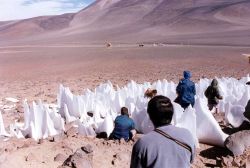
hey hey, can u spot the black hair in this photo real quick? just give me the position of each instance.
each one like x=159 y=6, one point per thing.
x=124 y=111
x=160 y=110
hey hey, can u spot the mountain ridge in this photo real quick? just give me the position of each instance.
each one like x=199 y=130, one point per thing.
x=135 y=21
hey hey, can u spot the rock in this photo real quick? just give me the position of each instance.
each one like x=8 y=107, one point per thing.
x=30 y=157
x=19 y=108
x=82 y=158
x=238 y=142
x=57 y=138
x=236 y=163
x=72 y=132
x=248 y=162
x=120 y=158
x=227 y=161
x=122 y=141
x=87 y=149
x=60 y=157
x=40 y=141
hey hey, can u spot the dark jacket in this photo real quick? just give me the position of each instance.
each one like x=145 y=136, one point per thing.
x=186 y=90
x=247 y=110
x=212 y=93
x=123 y=126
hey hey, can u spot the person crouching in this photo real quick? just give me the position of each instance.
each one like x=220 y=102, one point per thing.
x=124 y=126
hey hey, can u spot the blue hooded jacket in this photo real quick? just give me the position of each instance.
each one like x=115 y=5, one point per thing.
x=186 y=90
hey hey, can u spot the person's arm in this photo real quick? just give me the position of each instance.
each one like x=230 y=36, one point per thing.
x=132 y=129
x=178 y=89
x=218 y=95
x=206 y=92
x=193 y=154
x=132 y=124
x=194 y=90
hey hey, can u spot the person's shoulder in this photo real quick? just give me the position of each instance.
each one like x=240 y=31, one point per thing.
x=118 y=117
x=131 y=120
x=146 y=139
x=192 y=82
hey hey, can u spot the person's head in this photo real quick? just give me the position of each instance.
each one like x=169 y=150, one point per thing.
x=150 y=93
x=187 y=74
x=214 y=83
x=160 y=110
x=124 y=111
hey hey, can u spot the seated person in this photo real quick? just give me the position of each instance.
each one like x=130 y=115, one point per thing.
x=213 y=95
x=124 y=126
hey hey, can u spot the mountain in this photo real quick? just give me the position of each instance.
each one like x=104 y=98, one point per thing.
x=217 y=22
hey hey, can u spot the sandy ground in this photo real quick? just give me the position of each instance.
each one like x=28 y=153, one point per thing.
x=35 y=72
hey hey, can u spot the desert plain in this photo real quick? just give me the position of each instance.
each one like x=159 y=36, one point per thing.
x=35 y=73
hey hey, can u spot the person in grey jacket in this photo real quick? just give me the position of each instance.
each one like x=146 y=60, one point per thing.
x=166 y=146
x=213 y=95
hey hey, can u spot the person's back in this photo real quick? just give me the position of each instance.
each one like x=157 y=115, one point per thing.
x=186 y=90
x=123 y=125
x=213 y=95
x=155 y=150
x=167 y=145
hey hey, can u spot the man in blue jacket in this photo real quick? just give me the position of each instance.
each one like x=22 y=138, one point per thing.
x=186 y=91
x=124 y=126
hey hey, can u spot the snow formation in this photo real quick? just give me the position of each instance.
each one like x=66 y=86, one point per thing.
x=106 y=101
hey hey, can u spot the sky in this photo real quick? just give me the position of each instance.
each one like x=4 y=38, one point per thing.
x=22 y=9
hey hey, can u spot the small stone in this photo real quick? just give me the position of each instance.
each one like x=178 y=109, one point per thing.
x=227 y=161
x=79 y=159
x=60 y=157
x=87 y=149
x=72 y=132
x=40 y=141
x=30 y=157
x=59 y=137
x=236 y=163
x=50 y=139
x=20 y=108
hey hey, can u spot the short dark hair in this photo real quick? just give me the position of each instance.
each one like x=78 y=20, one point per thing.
x=124 y=111
x=160 y=110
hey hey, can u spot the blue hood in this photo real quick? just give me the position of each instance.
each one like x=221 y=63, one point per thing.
x=187 y=74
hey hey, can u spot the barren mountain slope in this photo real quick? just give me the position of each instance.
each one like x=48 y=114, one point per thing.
x=223 y=22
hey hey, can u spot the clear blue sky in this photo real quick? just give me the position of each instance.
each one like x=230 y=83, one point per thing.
x=21 y=9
